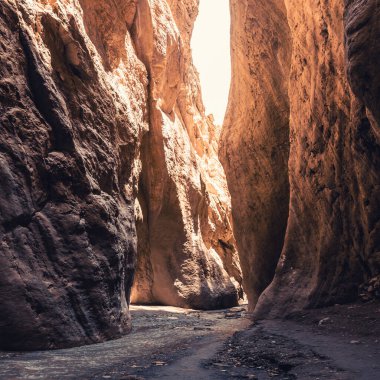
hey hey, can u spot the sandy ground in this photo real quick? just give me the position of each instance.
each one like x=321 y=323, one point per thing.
x=340 y=342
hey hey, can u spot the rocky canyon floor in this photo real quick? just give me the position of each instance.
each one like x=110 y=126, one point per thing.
x=340 y=342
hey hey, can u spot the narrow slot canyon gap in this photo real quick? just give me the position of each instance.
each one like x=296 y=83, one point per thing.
x=117 y=186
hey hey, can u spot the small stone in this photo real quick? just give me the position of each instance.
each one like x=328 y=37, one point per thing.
x=323 y=321
x=159 y=363
x=232 y=315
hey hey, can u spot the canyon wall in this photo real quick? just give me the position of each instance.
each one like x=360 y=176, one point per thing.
x=255 y=139
x=309 y=85
x=191 y=260
x=111 y=188
x=109 y=171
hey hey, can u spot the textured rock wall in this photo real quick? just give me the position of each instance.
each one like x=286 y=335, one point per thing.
x=190 y=260
x=69 y=162
x=104 y=138
x=331 y=239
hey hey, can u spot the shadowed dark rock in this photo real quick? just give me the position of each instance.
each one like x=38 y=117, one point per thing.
x=67 y=230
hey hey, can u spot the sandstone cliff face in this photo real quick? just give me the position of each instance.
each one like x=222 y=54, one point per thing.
x=102 y=124
x=187 y=250
x=109 y=168
x=330 y=241
x=255 y=139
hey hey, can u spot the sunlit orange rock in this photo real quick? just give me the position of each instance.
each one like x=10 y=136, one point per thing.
x=187 y=255
x=254 y=145
x=330 y=241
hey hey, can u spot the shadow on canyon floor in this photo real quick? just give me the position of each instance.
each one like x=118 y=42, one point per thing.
x=341 y=342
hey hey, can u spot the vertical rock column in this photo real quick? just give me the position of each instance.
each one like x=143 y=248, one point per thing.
x=73 y=101
x=255 y=139
x=187 y=255
x=330 y=242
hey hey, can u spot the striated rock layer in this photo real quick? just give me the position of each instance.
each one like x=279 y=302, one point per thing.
x=106 y=156
x=309 y=90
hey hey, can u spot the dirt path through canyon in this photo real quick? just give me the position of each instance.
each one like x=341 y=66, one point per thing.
x=160 y=336
x=172 y=343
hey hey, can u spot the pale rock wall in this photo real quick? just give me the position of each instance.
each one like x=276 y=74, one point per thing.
x=190 y=260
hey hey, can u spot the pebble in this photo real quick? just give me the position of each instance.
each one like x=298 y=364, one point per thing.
x=232 y=315
x=159 y=363
x=323 y=321
x=220 y=365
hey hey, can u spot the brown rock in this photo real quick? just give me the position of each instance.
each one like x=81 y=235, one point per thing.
x=330 y=241
x=109 y=167
x=255 y=138
x=68 y=167
x=81 y=84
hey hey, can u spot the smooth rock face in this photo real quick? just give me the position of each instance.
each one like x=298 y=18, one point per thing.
x=255 y=139
x=330 y=242
x=105 y=152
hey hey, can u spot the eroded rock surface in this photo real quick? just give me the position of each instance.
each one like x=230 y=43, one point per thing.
x=102 y=124
x=187 y=253
x=109 y=167
x=69 y=150
x=330 y=241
